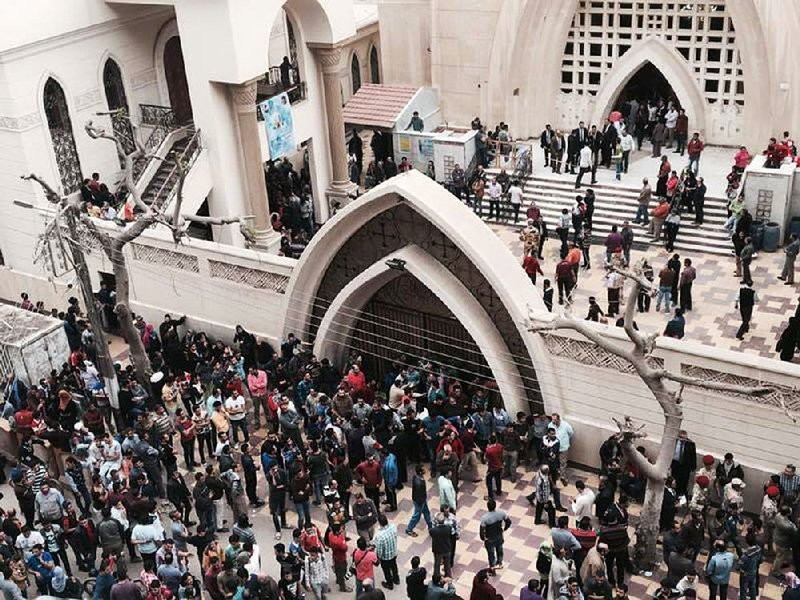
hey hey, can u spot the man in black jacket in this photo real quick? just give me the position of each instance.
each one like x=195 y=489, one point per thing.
x=419 y=496
x=277 y=484
x=441 y=545
x=416 y=587
x=545 y=139
x=684 y=462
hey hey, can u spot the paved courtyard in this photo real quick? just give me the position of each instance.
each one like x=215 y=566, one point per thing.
x=522 y=540
x=713 y=319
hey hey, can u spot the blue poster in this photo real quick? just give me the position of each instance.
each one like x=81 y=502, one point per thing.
x=277 y=113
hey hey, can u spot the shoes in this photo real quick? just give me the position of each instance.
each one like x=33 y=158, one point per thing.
x=260 y=503
x=561 y=509
x=498 y=567
x=278 y=535
x=789 y=283
x=223 y=530
x=412 y=533
x=344 y=588
x=388 y=585
x=781 y=277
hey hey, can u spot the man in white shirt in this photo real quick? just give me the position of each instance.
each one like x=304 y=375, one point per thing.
x=584 y=164
x=670 y=121
x=495 y=191
x=235 y=407
x=626 y=143
x=27 y=540
x=582 y=505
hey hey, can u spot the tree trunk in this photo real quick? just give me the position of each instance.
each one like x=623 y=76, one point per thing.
x=647 y=532
x=138 y=355
x=105 y=364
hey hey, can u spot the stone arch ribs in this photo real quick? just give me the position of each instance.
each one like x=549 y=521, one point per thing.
x=672 y=66
x=336 y=326
x=412 y=210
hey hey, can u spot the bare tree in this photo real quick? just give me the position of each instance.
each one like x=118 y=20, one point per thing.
x=72 y=253
x=148 y=216
x=670 y=401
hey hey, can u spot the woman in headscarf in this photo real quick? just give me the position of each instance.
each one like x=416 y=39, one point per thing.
x=792 y=582
x=561 y=570
x=481 y=588
x=63 y=586
x=787 y=343
x=544 y=562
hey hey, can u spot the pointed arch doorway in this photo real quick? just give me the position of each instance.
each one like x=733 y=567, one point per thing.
x=648 y=84
x=177 y=85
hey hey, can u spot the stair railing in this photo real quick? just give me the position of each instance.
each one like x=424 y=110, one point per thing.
x=164 y=194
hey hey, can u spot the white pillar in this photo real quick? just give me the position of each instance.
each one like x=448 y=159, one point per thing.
x=340 y=186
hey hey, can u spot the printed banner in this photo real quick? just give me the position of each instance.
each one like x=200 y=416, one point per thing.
x=277 y=113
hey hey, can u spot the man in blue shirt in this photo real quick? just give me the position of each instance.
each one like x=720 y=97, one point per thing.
x=41 y=563
x=718 y=570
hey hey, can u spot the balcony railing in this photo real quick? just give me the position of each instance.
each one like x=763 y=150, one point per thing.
x=273 y=84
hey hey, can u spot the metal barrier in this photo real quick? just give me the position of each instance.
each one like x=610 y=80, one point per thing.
x=514 y=155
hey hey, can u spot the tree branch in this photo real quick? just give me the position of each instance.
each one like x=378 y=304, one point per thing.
x=537 y=325
x=51 y=195
x=628 y=434
x=711 y=385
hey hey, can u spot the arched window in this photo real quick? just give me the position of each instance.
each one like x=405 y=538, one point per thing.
x=374 y=66
x=355 y=72
x=118 y=100
x=60 y=125
x=292 y=41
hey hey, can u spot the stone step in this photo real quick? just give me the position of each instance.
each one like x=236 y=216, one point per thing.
x=616 y=205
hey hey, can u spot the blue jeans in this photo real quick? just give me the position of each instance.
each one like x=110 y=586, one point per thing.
x=495 y=551
x=641 y=215
x=665 y=293
x=303 y=513
x=694 y=164
x=748 y=587
x=420 y=510
x=319 y=483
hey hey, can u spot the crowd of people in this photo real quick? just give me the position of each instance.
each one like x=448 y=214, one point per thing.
x=345 y=443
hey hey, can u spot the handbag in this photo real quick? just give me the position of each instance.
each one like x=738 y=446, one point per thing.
x=355 y=563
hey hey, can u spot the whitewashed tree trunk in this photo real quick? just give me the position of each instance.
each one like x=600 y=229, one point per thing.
x=638 y=355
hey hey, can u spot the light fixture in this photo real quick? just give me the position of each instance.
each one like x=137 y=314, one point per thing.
x=398 y=264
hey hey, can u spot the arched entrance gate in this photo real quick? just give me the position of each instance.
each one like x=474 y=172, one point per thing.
x=462 y=296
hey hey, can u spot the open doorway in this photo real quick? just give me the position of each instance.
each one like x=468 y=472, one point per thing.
x=647 y=84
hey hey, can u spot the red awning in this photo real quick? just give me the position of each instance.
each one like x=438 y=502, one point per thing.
x=376 y=105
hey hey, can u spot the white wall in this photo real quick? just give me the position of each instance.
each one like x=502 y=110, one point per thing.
x=761 y=437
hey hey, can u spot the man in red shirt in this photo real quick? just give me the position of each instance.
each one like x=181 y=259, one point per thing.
x=565 y=278
x=693 y=149
x=357 y=381
x=369 y=474
x=494 y=466
x=531 y=266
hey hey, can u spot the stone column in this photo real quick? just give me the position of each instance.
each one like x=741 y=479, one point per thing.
x=255 y=189
x=340 y=186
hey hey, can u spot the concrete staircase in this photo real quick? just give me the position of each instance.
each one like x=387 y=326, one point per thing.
x=165 y=177
x=614 y=204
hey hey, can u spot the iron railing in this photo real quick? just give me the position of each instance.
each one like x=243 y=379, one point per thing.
x=164 y=194
x=273 y=84
x=163 y=122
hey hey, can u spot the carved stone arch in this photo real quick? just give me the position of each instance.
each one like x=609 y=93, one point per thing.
x=671 y=65
x=338 y=324
x=412 y=210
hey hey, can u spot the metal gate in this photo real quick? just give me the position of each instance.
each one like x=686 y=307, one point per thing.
x=386 y=333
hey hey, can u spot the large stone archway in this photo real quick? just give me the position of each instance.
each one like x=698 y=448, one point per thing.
x=529 y=97
x=447 y=248
x=671 y=65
